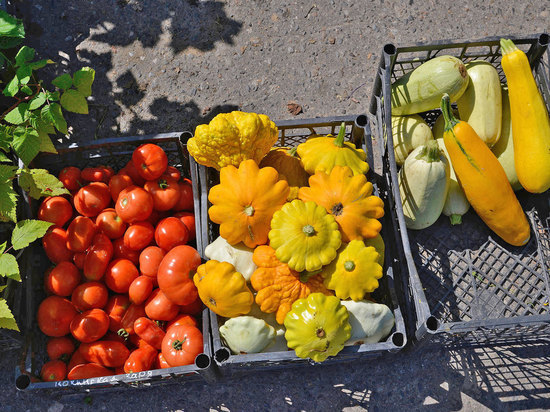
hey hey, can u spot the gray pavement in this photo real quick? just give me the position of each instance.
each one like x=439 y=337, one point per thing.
x=168 y=65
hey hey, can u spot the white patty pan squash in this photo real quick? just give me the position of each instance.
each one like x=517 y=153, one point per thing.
x=238 y=255
x=246 y=334
x=370 y=322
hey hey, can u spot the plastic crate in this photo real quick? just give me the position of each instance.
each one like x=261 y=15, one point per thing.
x=464 y=282
x=292 y=133
x=115 y=152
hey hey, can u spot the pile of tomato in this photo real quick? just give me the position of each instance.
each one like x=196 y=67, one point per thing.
x=120 y=294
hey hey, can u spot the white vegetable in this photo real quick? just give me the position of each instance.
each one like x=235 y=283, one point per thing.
x=408 y=132
x=238 y=255
x=246 y=334
x=370 y=322
x=279 y=344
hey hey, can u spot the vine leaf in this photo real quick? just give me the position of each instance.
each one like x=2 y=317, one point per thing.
x=39 y=183
x=24 y=55
x=37 y=101
x=52 y=114
x=26 y=144
x=8 y=202
x=9 y=267
x=83 y=80
x=63 y=82
x=18 y=115
x=27 y=231
x=46 y=144
x=7 y=320
x=12 y=87
x=74 y=101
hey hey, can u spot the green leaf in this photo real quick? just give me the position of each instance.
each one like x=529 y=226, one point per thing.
x=24 y=55
x=52 y=114
x=2 y=249
x=7 y=321
x=8 y=201
x=53 y=96
x=27 y=90
x=18 y=115
x=24 y=74
x=41 y=124
x=9 y=267
x=40 y=63
x=3 y=287
x=7 y=173
x=46 y=144
x=74 y=101
x=27 y=231
x=26 y=144
x=39 y=183
x=10 y=27
x=63 y=82
x=12 y=87
x=83 y=80
x=5 y=138
x=37 y=101
x=4 y=158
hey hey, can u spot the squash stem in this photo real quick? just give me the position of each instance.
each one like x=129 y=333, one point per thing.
x=507 y=46
x=339 y=141
x=349 y=265
x=430 y=152
x=249 y=210
x=455 y=219
x=305 y=275
x=450 y=120
x=308 y=230
x=292 y=151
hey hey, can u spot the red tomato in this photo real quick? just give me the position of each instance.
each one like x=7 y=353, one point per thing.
x=54 y=370
x=150 y=161
x=55 y=245
x=165 y=192
x=140 y=360
x=71 y=179
x=193 y=308
x=76 y=359
x=149 y=260
x=60 y=348
x=118 y=183
x=88 y=370
x=171 y=232
x=55 y=209
x=175 y=274
x=90 y=295
x=159 y=307
x=80 y=234
x=114 y=337
x=62 y=279
x=149 y=331
x=160 y=362
x=131 y=171
x=98 y=257
x=91 y=199
x=78 y=259
x=90 y=326
x=182 y=319
x=120 y=274
x=140 y=289
x=181 y=345
x=156 y=217
x=134 y=204
x=188 y=219
x=122 y=252
x=105 y=353
x=139 y=235
x=185 y=202
x=172 y=172
x=97 y=174
x=55 y=315
x=127 y=324
x=116 y=308
x=111 y=224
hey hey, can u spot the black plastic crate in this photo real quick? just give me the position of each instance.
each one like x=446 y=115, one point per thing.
x=291 y=133
x=464 y=282
x=115 y=152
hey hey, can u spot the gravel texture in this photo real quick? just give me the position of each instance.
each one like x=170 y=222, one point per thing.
x=169 y=65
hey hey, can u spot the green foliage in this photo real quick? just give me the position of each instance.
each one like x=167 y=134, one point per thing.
x=27 y=231
x=12 y=31
x=6 y=317
x=39 y=183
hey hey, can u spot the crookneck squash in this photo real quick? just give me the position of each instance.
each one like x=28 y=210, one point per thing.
x=349 y=199
x=244 y=202
x=287 y=162
x=278 y=286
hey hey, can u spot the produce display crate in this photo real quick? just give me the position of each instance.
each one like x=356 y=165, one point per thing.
x=465 y=283
x=115 y=152
x=291 y=133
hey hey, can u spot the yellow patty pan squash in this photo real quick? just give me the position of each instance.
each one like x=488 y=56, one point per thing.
x=230 y=138
x=349 y=199
x=286 y=161
x=322 y=153
x=354 y=272
x=278 y=286
x=304 y=235
x=317 y=327
x=244 y=202
x=223 y=289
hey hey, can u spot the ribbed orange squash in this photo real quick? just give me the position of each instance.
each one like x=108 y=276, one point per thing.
x=287 y=162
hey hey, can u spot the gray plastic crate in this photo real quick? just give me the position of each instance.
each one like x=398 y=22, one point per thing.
x=292 y=133
x=115 y=152
x=465 y=283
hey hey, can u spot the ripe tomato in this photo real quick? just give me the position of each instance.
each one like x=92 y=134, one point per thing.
x=193 y=308
x=181 y=345
x=159 y=307
x=98 y=257
x=76 y=359
x=90 y=326
x=134 y=204
x=140 y=360
x=131 y=171
x=185 y=202
x=160 y=362
x=118 y=183
x=88 y=370
x=62 y=279
x=127 y=324
x=60 y=348
x=171 y=232
x=54 y=370
x=90 y=295
x=78 y=259
x=55 y=209
x=105 y=353
x=150 y=161
x=165 y=192
x=188 y=219
x=111 y=224
x=140 y=289
x=116 y=308
x=91 y=199
x=80 y=234
x=122 y=252
x=149 y=260
x=55 y=245
x=175 y=274
x=182 y=319
x=114 y=337
x=55 y=315
x=97 y=174
x=71 y=179
x=139 y=235
x=172 y=172
x=120 y=274
x=149 y=331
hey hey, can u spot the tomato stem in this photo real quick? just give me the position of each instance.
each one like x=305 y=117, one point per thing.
x=178 y=344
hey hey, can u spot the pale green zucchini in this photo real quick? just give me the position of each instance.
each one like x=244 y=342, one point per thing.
x=408 y=132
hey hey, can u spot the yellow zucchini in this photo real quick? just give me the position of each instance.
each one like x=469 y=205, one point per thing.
x=408 y=132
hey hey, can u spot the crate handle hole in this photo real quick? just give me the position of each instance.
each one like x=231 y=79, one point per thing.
x=185 y=136
x=432 y=324
x=22 y=382
x=544 y=39
x=202 y=361
x=398 y=339
x=390 y=49
x=222 y=355
x=361 y=120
